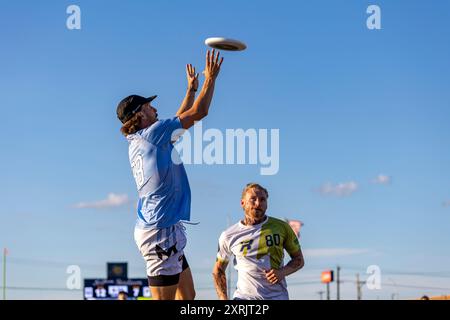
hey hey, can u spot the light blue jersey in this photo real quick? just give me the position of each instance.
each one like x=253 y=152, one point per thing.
x=163 y=186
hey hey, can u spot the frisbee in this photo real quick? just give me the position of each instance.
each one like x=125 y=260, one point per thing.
x=225 y=44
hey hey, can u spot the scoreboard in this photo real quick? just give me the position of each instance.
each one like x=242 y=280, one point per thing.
x=108 y=289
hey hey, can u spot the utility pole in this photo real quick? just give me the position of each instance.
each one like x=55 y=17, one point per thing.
x=359 y=285
x=321 y=294
x=328 y=291
x=229 y=267
x=338 y=296
x=327 y=277
x=5 y=252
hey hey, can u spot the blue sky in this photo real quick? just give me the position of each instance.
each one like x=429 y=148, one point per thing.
x=351 y=104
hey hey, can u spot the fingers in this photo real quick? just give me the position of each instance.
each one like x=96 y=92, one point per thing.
x=213 y=58
x=217 y=58
x=213 y=53
x=213 y=63
x=190 y=70
x=271 y=276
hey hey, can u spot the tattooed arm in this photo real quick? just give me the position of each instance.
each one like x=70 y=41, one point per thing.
x=220 y=279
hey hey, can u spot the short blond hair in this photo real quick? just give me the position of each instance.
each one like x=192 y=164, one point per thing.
x=253 y=185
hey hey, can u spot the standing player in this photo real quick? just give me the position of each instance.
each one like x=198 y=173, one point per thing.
x=258 y=243
x=163 y=187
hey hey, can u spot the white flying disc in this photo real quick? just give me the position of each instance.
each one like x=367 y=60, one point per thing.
x=225 y=44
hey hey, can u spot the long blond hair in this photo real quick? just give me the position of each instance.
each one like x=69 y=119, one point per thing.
x=132 y=125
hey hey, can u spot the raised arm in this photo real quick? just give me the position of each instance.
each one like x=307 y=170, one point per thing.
x=189 y=98
x=201 y=105
x=220 y=279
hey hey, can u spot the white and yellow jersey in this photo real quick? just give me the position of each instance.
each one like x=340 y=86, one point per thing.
x=258 y=248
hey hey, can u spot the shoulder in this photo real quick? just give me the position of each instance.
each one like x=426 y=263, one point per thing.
x=155 y=126
x=134 y=138
x=171 y=122
x=166 y=124
x=161 y=130
x=131 y=136
x=278 y=222
x=230 y=232
x=280 y=225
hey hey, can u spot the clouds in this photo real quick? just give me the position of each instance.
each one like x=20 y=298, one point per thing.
x=382 y=179
x=112 y=201
x=340 y=189
x=344 y=189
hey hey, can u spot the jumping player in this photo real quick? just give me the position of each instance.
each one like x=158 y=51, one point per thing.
x=163 y=187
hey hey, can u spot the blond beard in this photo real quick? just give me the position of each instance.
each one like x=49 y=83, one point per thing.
x=251 y=220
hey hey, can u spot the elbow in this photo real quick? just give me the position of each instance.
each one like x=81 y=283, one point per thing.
x=202 y=110
x=200 y=115
x=217 y=272
x=302 y=264
x=299 y=263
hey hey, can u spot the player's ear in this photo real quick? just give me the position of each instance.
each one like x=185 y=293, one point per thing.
x=143 y=116
x=242 y=203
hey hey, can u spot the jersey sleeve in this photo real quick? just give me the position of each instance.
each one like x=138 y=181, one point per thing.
x=223 y=251
x=162 y=131
x=291 y=244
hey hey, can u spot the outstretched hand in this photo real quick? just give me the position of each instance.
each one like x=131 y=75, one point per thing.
x=192 y=78
x=213 y=64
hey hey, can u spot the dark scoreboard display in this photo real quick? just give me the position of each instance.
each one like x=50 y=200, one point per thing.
x=108 y=289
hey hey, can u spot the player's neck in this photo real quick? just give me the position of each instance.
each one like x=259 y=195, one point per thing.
x=251 y=221
x=146 y=123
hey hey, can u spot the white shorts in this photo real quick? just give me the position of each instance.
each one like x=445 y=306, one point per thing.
x=162 y=249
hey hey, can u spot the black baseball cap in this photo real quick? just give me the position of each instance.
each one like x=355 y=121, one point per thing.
x=128 y=107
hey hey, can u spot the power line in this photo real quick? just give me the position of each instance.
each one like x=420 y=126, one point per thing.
x=440 y=274
x=49 y=263
x=212 y=288
x=403 y=285
x=300 y=283
x=33 y=263
x=415 y=287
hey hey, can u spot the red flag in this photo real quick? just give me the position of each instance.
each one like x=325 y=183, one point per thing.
x=5 y=251
x=296 y=226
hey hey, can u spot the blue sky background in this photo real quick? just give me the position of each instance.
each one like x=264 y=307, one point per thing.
x=350 y=104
